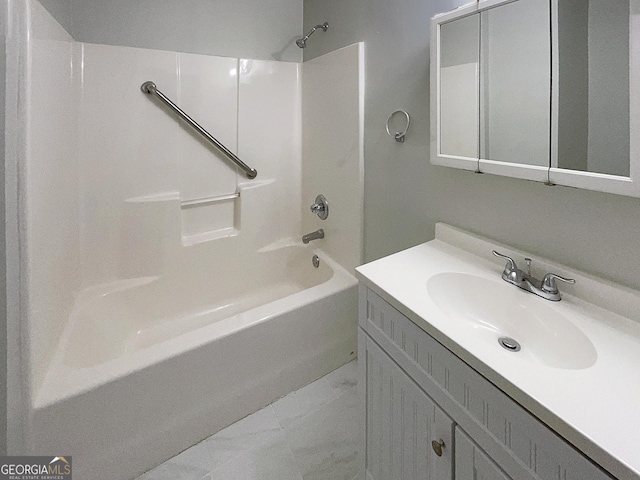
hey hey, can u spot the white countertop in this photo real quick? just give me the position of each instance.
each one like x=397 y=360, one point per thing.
x=597 y=409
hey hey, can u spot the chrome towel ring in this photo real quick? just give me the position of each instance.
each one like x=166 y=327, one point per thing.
x=399 y=136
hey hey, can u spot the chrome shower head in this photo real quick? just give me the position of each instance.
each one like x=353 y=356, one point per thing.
x=302 y=42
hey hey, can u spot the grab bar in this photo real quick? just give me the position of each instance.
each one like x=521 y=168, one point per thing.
x=151 y=89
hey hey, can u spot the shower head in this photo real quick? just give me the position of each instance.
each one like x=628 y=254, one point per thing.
x=302 y=42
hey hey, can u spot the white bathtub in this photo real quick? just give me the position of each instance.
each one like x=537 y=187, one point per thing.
x=148 y=367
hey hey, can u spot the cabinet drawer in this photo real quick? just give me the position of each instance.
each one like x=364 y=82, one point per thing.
x=523 y=446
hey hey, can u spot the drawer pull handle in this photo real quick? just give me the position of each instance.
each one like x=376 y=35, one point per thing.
x=437 y=447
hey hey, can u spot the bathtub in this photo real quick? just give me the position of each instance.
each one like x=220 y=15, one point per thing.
x=147 y=367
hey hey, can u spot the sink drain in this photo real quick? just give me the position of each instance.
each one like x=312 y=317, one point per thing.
x=509 y=344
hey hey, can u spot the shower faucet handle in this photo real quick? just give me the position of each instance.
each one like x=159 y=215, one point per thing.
x=321 y=207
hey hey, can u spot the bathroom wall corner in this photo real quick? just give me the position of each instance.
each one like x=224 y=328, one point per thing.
x=14 y=410
x=268 y=140
x=49 y=217
x=61 y=11
x=332 y=150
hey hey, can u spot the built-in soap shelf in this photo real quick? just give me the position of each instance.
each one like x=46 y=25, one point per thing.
x=209 y=218
x=196 y=220
x=208 y=200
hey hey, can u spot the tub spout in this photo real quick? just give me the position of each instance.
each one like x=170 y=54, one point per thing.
x=313 y=236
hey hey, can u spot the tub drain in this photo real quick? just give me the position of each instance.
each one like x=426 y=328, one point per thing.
x=316 y=261
x=509 y=344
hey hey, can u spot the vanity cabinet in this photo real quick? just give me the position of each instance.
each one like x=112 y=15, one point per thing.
x=419 y=396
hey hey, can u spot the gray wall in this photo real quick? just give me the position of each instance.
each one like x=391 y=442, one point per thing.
x=405 y=196
x=233 y=28
x=61 y=11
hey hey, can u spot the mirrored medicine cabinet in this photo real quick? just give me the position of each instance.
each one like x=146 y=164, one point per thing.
x=545 y=90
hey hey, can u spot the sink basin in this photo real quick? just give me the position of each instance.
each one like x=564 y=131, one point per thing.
x=494 y=309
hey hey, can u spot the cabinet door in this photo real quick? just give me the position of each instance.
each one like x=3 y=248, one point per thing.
x=402 y=423
x=472 y=463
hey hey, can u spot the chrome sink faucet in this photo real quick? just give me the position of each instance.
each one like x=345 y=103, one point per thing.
x=546 y=288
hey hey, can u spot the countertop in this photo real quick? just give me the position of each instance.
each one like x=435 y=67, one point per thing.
x=597 y=409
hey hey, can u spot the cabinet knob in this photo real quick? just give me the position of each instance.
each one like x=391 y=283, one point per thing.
x=437 y=447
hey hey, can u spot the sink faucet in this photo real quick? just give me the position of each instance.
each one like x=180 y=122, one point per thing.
x=313 y=236
x=546 y=288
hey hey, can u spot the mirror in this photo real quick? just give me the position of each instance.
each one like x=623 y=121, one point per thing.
x=515 y=86
x=593 y=86
x=538 y=89
x=460 y=114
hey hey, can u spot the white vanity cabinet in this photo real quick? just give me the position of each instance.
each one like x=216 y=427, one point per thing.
x=418 y=392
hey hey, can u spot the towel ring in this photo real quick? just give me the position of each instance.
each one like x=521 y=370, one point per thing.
x=399 y=136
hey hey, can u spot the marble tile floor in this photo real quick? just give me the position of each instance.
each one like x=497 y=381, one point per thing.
x=310 y=434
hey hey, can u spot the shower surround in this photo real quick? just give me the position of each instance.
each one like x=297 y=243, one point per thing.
x=163 y=294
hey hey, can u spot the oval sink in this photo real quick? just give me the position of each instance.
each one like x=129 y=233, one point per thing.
x=494 y=309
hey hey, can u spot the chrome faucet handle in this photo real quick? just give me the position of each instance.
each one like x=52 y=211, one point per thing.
x=321 y=207
x=549 y=282
x=511 y=273
x=510 y=266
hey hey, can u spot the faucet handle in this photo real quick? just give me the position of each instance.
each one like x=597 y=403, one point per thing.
x=510 y=266
x=549 y=282
x=321 y=207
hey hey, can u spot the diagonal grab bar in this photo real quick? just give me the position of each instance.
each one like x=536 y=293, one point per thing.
x=151 y=89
